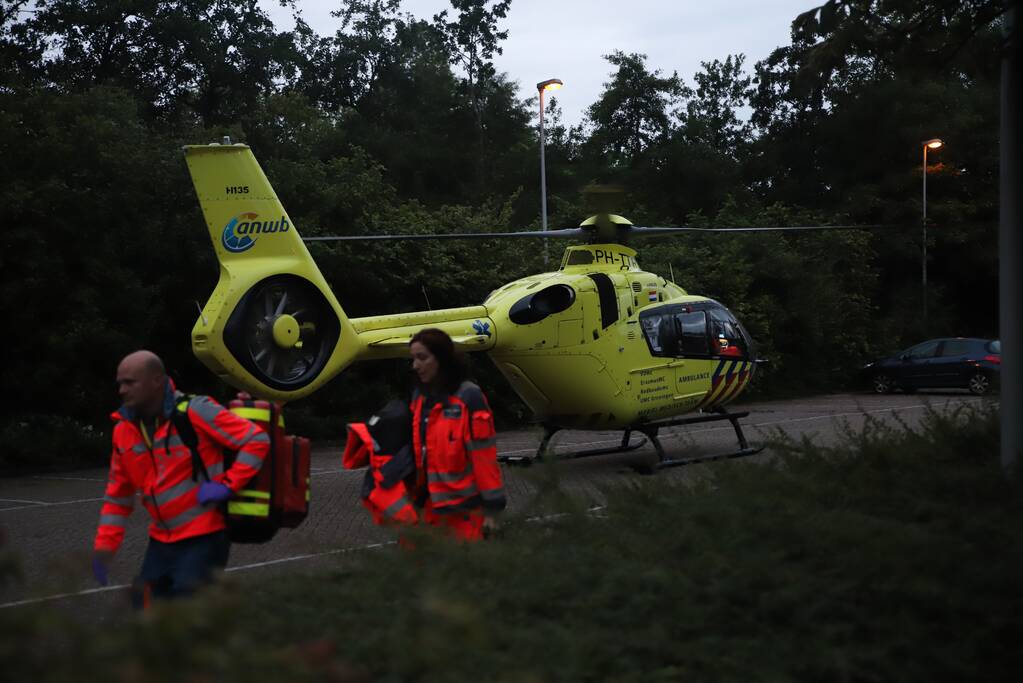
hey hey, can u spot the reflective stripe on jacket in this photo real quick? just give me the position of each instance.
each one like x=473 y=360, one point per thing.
x=162 y=473
x=386 y=497
x=460 y=451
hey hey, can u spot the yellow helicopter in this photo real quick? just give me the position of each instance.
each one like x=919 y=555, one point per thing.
x=600 y=344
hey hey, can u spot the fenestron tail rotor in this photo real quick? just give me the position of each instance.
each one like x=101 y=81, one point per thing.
x=282 y=331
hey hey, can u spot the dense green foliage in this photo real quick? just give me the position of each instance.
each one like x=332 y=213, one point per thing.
x=398 y=124
x=893 y=556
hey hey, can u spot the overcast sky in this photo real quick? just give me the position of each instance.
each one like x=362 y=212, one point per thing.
x=567 y=39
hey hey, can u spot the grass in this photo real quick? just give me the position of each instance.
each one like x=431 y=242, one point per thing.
x=894 y=557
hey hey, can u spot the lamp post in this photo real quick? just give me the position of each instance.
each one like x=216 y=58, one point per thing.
x=542 y=86
x=933 y=143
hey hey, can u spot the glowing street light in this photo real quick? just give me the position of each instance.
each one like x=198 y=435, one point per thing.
x=934 y=144
x=542 y=86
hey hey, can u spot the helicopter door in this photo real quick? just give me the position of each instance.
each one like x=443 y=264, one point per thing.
x=680 y=335
x=692 y=371
x=675 y=331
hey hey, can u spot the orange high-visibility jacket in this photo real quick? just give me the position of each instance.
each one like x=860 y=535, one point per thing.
x=386 y=497
x=162 y=470
x=459 y=451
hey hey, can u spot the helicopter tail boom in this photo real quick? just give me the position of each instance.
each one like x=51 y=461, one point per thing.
x=387 y=336
x=272 y=326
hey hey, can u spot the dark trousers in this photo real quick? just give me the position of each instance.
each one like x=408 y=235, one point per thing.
x=173 y=570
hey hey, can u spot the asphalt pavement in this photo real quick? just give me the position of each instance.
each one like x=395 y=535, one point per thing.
x=49 y=521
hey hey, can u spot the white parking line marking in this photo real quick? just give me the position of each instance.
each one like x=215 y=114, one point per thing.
x=256 y=565
x=339 y=470
x=859 y=412
x=50 y=505
x=33 y=601
x=29 y=502
x=339 y=551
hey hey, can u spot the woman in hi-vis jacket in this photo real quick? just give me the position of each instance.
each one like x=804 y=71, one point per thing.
x=458 y=483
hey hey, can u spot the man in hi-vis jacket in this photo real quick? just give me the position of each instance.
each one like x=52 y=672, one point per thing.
x=187 y=535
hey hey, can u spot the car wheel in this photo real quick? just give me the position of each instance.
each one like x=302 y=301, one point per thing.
x=883 y=384
x=979 y=384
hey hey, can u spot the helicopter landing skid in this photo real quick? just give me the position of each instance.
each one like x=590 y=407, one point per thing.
x=549 y=432
x=650 y=432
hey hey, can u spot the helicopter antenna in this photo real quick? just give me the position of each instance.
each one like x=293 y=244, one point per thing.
x=428 y=306
x=671 y=271
x=205 y=323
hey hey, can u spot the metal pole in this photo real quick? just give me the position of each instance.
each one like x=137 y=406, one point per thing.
x=1010 y=247
x=923 y=249
x=543 y=183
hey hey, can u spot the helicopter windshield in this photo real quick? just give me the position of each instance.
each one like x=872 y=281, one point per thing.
x=699 y=330
x=727 y=334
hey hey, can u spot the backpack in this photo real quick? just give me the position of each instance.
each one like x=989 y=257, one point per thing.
x=278 y=496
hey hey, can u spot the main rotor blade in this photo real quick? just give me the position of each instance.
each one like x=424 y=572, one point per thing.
x=554 y=234
x=637 y=231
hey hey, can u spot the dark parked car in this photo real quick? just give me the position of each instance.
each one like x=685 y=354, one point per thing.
x=972 y=364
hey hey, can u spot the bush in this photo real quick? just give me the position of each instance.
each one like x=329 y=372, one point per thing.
x=893 y=556
x=35 y=442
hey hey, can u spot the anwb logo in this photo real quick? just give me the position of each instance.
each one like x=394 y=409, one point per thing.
x=238 y=235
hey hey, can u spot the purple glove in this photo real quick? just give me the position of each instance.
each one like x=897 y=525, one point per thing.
x=213 y=492
x=100 y=562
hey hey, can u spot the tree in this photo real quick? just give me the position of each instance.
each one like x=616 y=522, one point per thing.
x=472 y=40
x=632 y=113
x=345 y=67
x=711 y=116
x=700 y=163
x=202 y=58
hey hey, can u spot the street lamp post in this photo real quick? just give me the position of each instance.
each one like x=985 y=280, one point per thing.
x=549 y=84
x=933 y=143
